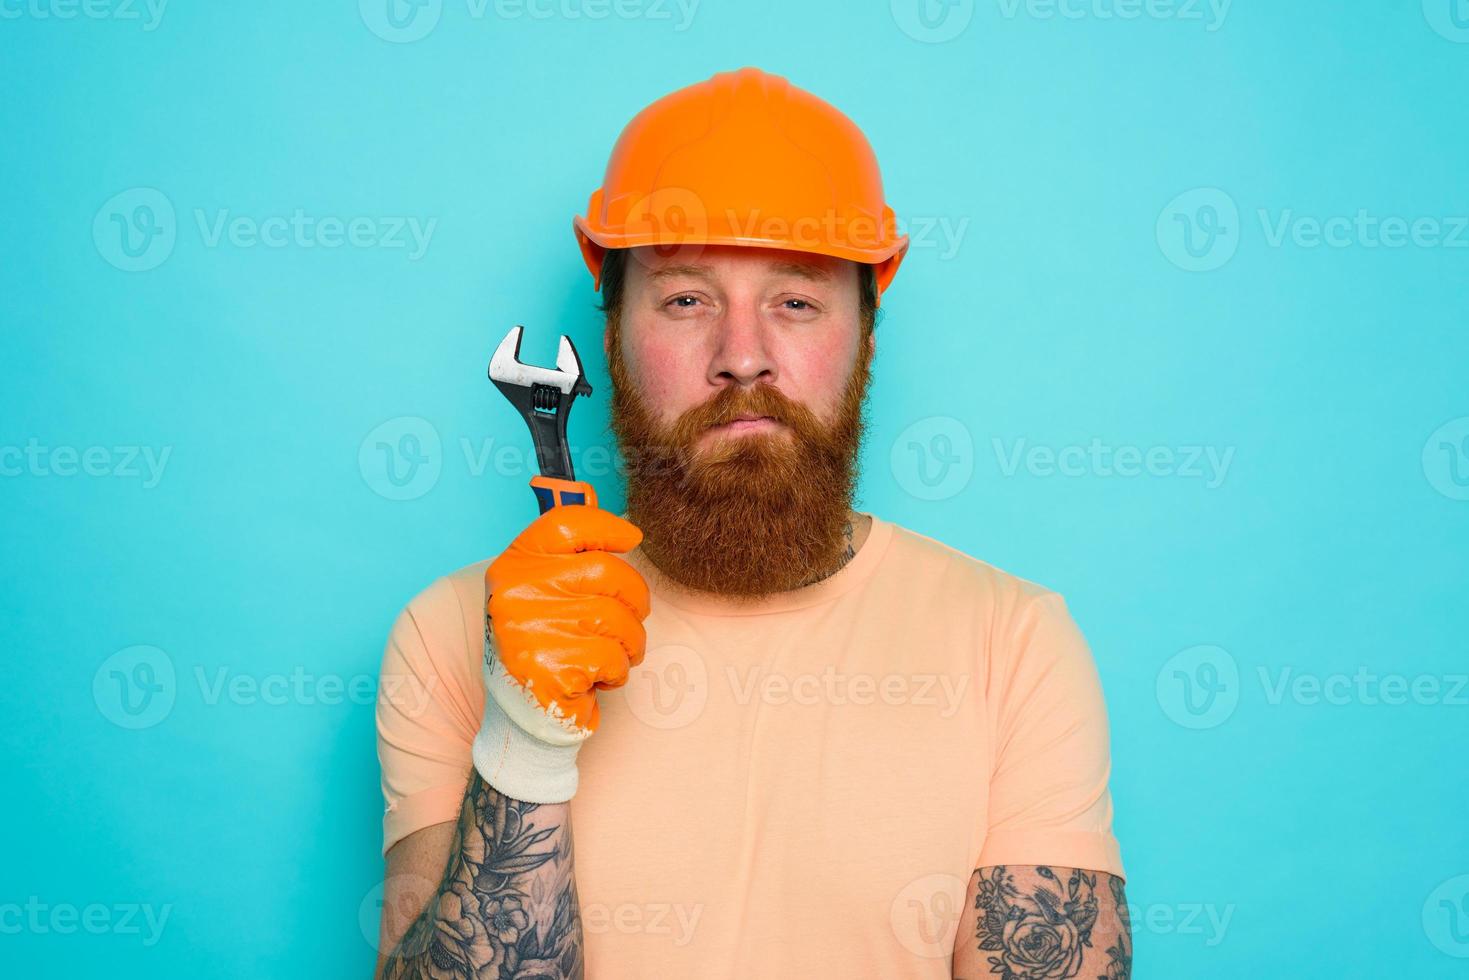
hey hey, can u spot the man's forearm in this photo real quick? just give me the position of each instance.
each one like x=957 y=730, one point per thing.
x=507 y=904
x=1044 y=921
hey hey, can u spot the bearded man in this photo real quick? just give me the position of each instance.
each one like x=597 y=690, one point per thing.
x=742 y=729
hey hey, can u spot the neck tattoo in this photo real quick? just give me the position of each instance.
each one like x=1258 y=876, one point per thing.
x=848 y=554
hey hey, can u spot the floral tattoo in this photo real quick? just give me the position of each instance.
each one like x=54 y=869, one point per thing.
x=498 y=913
x=1045 y=932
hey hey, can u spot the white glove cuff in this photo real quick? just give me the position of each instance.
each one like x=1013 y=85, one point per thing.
x=520 y=749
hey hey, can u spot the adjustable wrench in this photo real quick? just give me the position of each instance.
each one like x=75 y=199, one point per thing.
x=544 y=398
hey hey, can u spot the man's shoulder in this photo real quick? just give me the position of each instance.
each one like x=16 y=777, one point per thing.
x=1018 y=614
x=919 y=557
x=453 y=598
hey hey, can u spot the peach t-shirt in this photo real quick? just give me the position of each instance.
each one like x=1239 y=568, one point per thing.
x=801 y=788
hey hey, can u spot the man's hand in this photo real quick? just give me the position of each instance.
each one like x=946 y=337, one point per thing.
x=563 y=619
x=566 y=613
x=1040 y=921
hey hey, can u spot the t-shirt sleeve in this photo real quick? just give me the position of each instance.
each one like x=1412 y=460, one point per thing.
x=1048 y=801
x=429 y=704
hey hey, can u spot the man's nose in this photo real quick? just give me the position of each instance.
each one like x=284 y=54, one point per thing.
x=742 y=353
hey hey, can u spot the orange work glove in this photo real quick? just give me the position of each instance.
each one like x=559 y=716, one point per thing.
x=563 y=619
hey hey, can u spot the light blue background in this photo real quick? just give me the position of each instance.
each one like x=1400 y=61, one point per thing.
x=1335 y=541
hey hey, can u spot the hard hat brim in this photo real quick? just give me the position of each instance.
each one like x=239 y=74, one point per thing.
x=594 y=243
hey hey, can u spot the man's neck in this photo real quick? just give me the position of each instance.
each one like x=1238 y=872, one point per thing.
x=854 y=533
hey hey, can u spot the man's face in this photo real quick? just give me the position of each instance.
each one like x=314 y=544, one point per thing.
x=728 y=316
x=738 y=377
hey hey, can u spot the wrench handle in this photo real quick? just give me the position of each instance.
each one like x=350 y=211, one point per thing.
x=552 y=492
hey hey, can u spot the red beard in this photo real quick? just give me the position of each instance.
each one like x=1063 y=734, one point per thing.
x=747 y=515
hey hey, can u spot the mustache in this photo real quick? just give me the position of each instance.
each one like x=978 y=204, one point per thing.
x=733 y=401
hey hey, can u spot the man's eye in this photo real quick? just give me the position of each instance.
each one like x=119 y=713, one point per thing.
x=801 y=304
x=679 y=302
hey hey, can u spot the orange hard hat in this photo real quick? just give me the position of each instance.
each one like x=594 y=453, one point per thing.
x=743 y=158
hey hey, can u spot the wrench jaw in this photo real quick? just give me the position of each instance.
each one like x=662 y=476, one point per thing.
x=544 y=397
x=567 y=362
